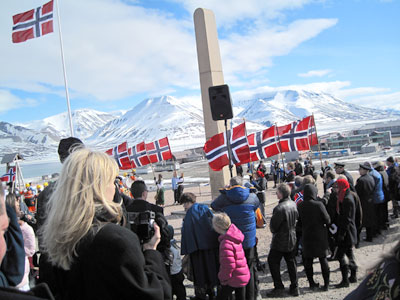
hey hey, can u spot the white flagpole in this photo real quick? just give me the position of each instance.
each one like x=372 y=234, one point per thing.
x=64 y=71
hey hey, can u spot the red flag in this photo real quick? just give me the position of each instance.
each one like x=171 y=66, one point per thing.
x=9 y=176
x=33 y=23
x=263 y=144
x=138 y=155
x=159 y=150
x=294 y=136
x=216 y=148
x=312 y=132
x=121 y=156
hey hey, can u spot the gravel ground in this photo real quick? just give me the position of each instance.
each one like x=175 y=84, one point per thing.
x=367 y=255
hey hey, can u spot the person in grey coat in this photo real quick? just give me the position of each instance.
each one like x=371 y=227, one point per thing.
x=365 y=186
x=283 y=244
x=314 y=221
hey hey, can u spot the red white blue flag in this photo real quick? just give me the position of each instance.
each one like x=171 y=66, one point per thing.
x=312 y=132
x=216 y=148
x=9 y=176
x=138 y=155
x=298 y=198
x=121 y=156
x=33 y=23
x=263 y=144
x=159 y=150
x=294 y=136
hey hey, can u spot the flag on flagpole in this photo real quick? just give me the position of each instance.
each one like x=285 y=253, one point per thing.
x=121 y=156
x=294 y=136
x=312 y=132
x=216 y=148
x=159 y=150
x=263 y=144
x=9 y=176
x=138 y=155
x=33 y=23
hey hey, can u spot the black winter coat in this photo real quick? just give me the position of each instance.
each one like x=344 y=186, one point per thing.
x=111 y=265
x=365 y=186
x=349 y=179
x=314 y=221
x=283 y=225
x=347 y=232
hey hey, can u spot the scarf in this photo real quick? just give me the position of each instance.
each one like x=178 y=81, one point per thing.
x=343 y=186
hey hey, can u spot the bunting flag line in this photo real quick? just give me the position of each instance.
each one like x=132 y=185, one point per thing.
x=9 y=176
x=159 y=150
x=33 y=23
x=263 y=144
x=138 y=155
x=216 y=148
x=121 y=156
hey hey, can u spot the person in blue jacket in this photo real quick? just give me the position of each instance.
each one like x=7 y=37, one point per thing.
x=239 y=204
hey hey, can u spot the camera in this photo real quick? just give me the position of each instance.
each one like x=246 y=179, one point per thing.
x=142 y=223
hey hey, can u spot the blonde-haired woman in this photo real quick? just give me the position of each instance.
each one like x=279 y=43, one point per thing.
x=88 y=255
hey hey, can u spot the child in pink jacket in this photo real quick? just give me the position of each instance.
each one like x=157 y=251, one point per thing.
x=233 y=273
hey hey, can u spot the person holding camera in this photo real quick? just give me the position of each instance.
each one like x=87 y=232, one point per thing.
x=89 y=255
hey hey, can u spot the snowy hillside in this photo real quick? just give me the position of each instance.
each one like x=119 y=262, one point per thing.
x=85 y=122
x=330 y=113
x=23 y=140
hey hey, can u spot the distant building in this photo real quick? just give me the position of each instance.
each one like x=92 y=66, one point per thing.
x=392 y=126
x=356 y=141
x=369 y=148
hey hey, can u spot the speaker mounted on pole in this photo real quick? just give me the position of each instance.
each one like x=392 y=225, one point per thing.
x=220 y=102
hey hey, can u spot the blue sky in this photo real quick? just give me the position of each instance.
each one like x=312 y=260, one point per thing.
x=120 y=52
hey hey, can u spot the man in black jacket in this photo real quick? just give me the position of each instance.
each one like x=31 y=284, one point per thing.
x=339 y=169
x=283 y=244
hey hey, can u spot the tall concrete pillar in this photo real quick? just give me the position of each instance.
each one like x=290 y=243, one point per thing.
x=210 y=69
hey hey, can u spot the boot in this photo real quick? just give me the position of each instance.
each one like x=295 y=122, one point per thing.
x=353 y=275
x=310 y=277
x=325 y=275
x=345 y=277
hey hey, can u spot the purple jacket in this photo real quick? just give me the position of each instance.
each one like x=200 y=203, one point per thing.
x=233 y=269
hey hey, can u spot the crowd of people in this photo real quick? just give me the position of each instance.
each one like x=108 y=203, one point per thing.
x=99 y=241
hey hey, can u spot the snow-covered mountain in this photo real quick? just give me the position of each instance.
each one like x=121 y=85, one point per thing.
x=23 y=140
x=182 y=121
x=155 y=118
x=85 y=123
x=330 y=113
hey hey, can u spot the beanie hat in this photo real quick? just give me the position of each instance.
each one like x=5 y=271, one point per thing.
x=67 y=146
x=390 y=159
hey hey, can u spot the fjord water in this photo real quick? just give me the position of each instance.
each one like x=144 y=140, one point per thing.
x=38 y=169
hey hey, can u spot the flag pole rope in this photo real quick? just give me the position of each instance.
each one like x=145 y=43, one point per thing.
x=64 y=71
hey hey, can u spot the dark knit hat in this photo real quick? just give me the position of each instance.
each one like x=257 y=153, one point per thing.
x=339 y=164
x=366 y=166
x=67 y=146
x=390 y=159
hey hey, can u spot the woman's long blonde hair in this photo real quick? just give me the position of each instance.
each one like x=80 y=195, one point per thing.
x=79 y=195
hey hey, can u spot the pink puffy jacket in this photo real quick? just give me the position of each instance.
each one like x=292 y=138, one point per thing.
x=233 y=269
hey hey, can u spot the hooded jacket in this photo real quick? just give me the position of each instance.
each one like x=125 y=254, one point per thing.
x=378 y=195
x=234 y=270
x=239 y=204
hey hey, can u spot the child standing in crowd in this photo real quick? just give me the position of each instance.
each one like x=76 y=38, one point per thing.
x=176 y=274
x=234 y=273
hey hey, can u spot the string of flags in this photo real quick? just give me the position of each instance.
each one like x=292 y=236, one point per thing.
x=140 y=154
x=296 y=136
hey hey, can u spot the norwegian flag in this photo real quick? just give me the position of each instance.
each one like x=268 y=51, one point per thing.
x=263 y=144
x=312 y=132
x=9 y=176
x=298 y=198
x=121 y=156
x=294 y=136
x=138 y=155
x=216 y=148
x=159 y=150
x=33 y=23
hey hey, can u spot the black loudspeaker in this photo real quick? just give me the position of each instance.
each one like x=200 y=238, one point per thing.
x=220 y=102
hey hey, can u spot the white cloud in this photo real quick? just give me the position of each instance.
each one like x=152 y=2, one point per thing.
x=379 y=101
x=8 y=101
x=315 y=73
x=114 y=50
